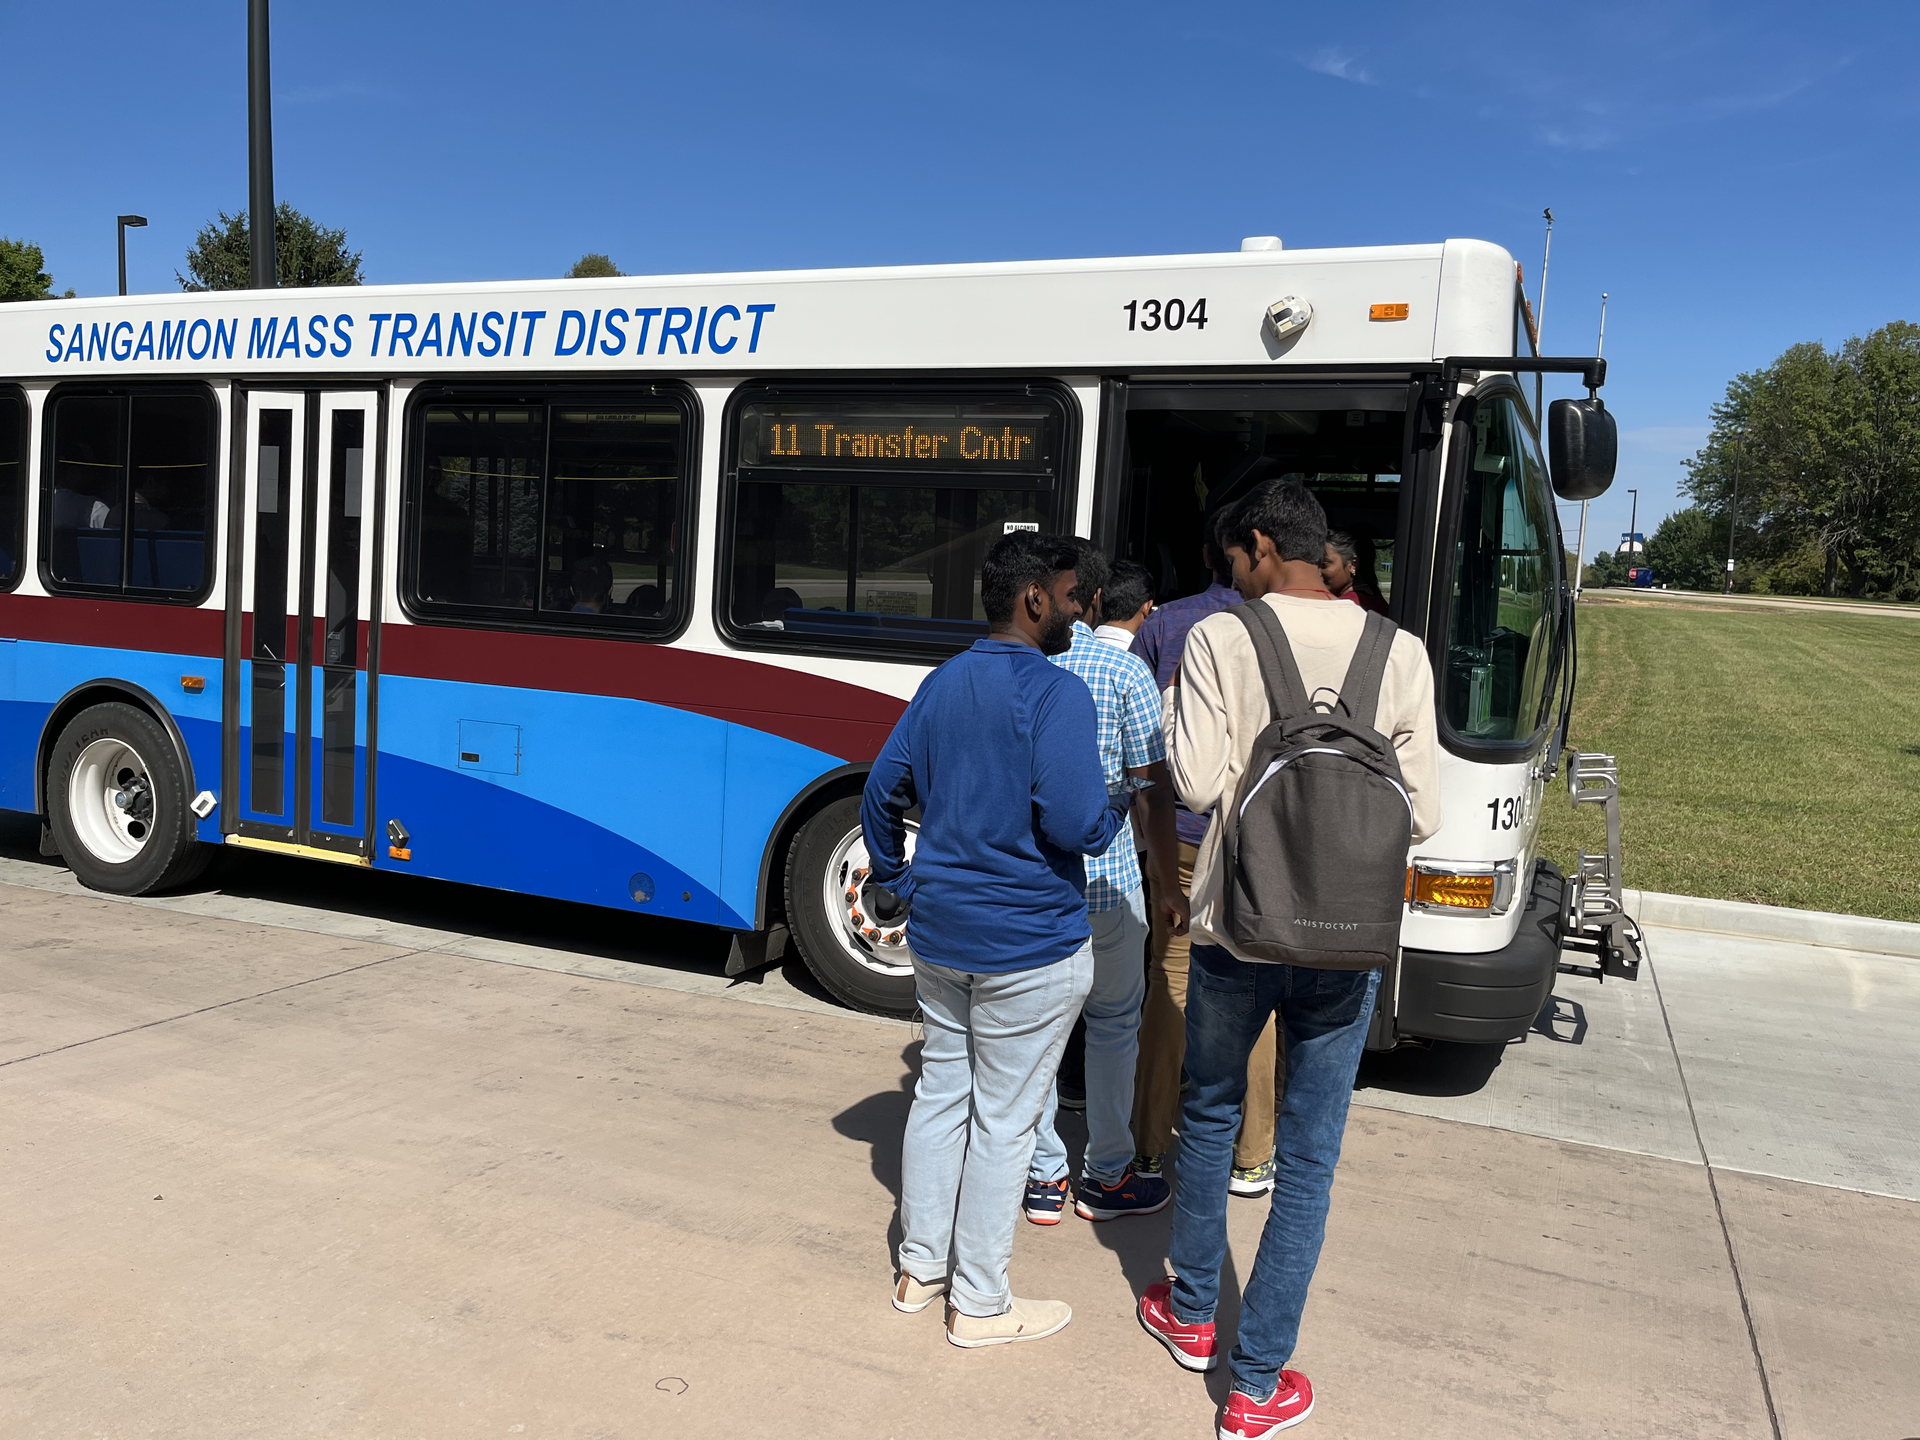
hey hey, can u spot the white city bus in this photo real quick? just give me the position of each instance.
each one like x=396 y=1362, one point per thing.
x=611 y=590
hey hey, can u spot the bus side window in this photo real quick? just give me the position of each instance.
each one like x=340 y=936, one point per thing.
x=1505 y=581
x=131 y=492
x=566 y=511
x=863 y=519
x=13 y=484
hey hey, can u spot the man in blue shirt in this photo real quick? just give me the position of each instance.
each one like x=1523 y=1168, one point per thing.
x=1132 y=749
x=1000 y=751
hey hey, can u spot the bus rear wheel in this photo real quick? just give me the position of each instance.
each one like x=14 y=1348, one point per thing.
x=825 y=855
x=118 y=805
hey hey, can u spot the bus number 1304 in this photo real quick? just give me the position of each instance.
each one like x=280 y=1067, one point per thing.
x=1166 y=314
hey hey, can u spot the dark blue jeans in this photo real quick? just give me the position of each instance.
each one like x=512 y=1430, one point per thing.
x=1322 y=1018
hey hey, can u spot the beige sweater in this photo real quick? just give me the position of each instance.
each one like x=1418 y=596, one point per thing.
x=1219 y=705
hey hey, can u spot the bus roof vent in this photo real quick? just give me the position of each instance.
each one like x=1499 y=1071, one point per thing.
x=1260 y=242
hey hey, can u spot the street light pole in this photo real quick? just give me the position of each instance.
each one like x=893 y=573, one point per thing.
x=260 y=147
x=120 y=229
x=1733 y=510
x=1580 y=552
x=1633 y=532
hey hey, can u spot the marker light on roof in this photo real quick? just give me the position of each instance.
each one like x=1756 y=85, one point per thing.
x=1286 y=318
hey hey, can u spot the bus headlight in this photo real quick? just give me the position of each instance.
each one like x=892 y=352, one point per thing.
x=1461 y=887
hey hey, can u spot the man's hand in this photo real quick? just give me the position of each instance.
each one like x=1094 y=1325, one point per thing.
x=1174 y=907
x=883 y=905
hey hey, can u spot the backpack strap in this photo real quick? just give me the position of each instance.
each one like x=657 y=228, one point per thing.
x=1360 y=691
x=1286 y=692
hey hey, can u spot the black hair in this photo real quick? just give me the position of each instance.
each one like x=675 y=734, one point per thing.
x=1090 y=570
x=1128 y=587
x=592 y=577
x=1018 y=560
x=1287 y=513
x=1217 y=542
x=1343 y=546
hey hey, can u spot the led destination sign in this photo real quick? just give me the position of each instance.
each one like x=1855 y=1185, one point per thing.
x=996 y=438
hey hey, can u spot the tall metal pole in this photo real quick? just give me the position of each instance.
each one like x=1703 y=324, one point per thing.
x=1733 y=510
x=1580 y=555
x=1633 y=532
x=1540 y=313
x=122 y=224
x=260 y=217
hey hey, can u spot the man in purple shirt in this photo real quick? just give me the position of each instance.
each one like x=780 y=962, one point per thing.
x=1163 y=1022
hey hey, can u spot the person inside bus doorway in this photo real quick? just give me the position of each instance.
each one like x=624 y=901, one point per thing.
x=1276 y=538
x=1132 y=755
x=999 y=749
x=1348 y=572
x=1161 y=641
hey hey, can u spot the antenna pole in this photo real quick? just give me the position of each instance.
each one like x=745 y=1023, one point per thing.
x=1539 y=311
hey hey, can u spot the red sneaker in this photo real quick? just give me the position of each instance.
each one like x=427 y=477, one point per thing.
x=1251 y=1419
x=1190 y=1345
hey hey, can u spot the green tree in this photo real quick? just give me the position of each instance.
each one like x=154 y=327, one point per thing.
x=306 y=253
x=1825 y=448
x=1688 y=551
x=1607 y=569
x=592 y=266
x=21 y=277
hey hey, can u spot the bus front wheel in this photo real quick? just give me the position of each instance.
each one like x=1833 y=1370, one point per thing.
x=118 y=805
x=826 y=853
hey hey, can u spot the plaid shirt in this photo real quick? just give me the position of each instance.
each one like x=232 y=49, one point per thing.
x=1127 y=704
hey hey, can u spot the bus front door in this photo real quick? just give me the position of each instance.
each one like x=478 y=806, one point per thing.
x=304 y=691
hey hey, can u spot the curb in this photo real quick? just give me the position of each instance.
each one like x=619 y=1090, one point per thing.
x=1774 y=922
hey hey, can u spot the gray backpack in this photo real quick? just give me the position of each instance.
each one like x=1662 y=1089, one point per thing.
x=1315 y=840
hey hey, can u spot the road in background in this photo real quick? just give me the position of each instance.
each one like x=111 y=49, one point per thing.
x=311 y=1151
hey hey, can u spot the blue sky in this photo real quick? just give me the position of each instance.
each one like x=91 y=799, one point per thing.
x=1738 y=176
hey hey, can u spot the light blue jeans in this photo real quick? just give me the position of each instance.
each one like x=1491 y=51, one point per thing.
x=992 y=1045
x=1113 y=1048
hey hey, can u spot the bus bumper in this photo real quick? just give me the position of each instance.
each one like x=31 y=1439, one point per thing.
x=1488 y=998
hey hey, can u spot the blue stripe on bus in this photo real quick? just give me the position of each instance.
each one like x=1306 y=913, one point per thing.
x=601 y=788
x=44 y=672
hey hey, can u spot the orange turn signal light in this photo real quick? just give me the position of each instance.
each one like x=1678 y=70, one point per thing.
x=1396 y=311
x=1454 y=892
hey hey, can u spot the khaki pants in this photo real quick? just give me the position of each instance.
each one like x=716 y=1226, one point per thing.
x=1163 y=1046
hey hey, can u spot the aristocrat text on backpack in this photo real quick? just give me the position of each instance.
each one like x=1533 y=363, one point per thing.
x=1316 y=837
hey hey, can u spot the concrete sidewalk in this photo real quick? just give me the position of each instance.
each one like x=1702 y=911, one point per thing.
x=265 y=1178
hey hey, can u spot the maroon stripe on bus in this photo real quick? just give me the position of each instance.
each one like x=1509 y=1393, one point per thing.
x=122 y=624
x=844 y=720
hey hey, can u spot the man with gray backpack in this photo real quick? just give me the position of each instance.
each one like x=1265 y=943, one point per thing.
x=1307 y=727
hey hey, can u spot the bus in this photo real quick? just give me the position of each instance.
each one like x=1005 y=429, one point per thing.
x=610 y=590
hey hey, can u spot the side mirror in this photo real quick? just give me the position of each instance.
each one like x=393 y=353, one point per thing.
x=1583 y=445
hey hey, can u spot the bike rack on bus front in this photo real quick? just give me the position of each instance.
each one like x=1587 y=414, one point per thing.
x=1595 y=921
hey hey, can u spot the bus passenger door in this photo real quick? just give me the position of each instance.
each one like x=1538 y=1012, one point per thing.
x=268 y=634
x=335 y=686
x=305 y=596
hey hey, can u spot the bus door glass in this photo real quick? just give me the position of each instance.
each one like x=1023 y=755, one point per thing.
x=1194 y=449
x=305 y=598
x=270 y=611
x=334 y=683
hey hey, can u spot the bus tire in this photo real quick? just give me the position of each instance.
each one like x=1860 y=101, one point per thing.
x=118 y=805
x=824 y=854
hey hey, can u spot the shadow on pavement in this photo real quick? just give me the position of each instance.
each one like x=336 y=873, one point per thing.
x=587 y=930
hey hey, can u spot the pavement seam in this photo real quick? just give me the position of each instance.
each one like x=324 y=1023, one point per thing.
x=1719 y=1210
x=205 y=1009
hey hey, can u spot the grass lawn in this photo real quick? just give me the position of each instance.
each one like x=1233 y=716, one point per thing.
x=1770 y=756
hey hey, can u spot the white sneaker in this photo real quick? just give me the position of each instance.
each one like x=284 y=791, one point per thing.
x=912 y=1296
x=1027 y=1320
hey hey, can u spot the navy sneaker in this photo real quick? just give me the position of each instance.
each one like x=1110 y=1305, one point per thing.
x=1046 y=1200
x=1132 y=1194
